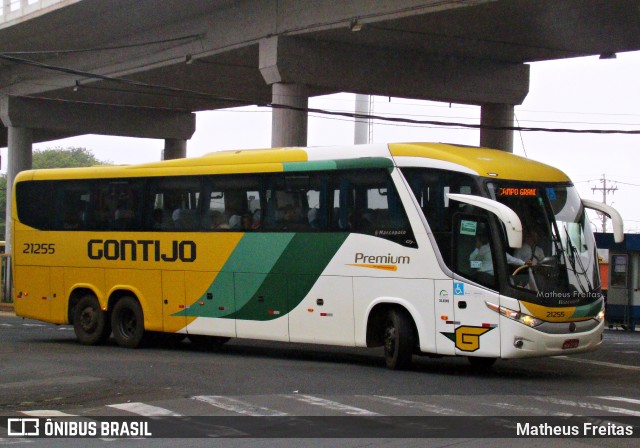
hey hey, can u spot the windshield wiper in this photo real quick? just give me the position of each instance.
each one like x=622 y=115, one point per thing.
x=573 y=256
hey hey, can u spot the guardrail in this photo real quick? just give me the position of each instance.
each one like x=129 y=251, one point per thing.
x=5 y=279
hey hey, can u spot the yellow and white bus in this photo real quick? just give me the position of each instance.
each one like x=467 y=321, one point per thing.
x=419 y=248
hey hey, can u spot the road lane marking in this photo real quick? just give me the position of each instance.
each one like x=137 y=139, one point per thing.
x=238 y=406
x=399 y=402
x=47 y=413
x=598 y=363
x=625 y=399
x=526 y=410
x=14 y=440
x=586 y=405
x=146 y=410
x=331 y=405
x=59 y=381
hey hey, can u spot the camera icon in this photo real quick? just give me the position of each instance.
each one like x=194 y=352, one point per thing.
x=23 y=427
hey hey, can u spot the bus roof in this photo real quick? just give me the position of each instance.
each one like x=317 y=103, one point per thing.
x=482 y=161
x=485 y=162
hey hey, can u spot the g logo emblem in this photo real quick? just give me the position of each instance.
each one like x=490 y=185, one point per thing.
x=467 y=339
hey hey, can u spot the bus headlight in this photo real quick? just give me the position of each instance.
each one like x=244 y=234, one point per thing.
x=525 y=319
x=600 y=316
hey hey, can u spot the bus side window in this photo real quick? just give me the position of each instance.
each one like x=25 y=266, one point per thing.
x=72 y=204
x=473 y=248
x=367 y=202
x=175 y=204
x=234 y=203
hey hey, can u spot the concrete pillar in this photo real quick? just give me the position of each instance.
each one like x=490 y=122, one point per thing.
x=20 y=157
x=500 y=115
x=174 y=148
x=289 y=127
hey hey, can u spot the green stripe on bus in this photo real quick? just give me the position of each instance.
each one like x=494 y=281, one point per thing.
x=292 y=277
x=267 y=275
x=257 y=252
x=367 y=162
x=346 y=164
x=320 y=165
x=589 y=310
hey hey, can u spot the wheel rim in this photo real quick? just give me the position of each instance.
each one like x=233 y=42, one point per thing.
x=389 y=340
x=128 y=323
x=88 y=320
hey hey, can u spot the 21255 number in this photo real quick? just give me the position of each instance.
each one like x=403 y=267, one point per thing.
x=39 y=248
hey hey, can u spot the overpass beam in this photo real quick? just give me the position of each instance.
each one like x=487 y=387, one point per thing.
x=71 y=118
x=334 y=67
x=339 y=67
x=496 y=116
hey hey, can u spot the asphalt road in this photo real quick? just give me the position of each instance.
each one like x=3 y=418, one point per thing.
x=44 y=371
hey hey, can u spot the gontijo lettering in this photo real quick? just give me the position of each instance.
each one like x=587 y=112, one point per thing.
x=144 y=250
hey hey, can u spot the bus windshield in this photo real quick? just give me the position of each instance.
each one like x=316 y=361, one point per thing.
x=558 y=259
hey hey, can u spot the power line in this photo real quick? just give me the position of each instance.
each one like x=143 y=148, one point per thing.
x=190 y=37
x=626 y=183
x=352 y=115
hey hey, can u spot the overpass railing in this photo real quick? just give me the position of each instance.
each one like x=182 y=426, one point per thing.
x=5 y=278
x=15 y=9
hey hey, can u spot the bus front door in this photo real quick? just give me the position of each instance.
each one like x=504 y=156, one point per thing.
x=477 y=332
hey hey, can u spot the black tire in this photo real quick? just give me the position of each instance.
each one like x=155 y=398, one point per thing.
x=127 y=322
x=398 y=340
x=206 y=343
x=90 y=323
x=481 y=363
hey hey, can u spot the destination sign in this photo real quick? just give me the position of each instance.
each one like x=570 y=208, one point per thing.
x=511 y=191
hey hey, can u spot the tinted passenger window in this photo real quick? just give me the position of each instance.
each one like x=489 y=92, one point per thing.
x=358 y=201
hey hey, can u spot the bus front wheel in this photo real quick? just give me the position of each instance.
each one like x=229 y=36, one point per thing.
x=398 y=340
x=127 y=322
x=90 y=323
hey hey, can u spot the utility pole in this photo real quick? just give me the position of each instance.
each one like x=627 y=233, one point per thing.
x=605 y=191
x=363 y=132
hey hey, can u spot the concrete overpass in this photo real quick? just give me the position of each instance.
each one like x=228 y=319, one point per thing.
x=142 y=67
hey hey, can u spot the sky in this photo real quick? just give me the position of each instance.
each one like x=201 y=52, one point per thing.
x=580 y=93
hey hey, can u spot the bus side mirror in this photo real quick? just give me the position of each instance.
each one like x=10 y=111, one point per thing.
x=616 y=218
x=509 y=218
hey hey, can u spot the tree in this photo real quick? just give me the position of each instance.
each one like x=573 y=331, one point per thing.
x=50 y=158
x=65 y=158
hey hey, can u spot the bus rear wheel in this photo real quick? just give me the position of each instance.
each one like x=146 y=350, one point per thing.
x=127 y=322
x=90 y=323
x=398 y=340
